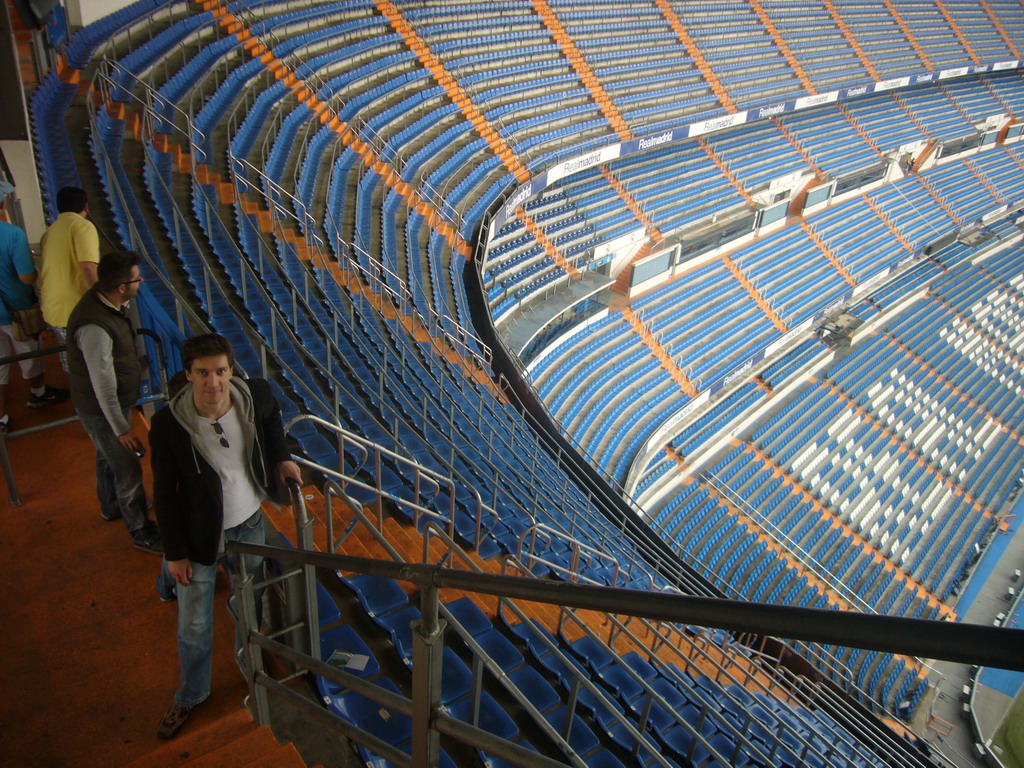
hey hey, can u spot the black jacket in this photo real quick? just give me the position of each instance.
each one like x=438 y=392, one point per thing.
x=187 y=491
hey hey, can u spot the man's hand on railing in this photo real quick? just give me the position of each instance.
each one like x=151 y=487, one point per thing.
x=289 y=470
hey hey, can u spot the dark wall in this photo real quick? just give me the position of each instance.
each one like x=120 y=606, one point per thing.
x=13 y=125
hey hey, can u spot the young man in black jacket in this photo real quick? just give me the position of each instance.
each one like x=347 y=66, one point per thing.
x=218 y=451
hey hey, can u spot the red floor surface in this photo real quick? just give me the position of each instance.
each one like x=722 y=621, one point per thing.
x=88 y=661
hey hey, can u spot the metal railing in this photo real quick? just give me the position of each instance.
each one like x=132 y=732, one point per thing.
x=280 y=215
x=785 y=542
x=5 y=461
x=694 y=652
x=963 y=643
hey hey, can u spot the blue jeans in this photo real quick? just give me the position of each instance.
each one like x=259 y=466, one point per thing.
x=118 y=474
x=195 y=613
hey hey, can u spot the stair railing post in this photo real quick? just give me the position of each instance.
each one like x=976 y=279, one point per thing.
x=249 y=654
x=427 y=649
x=304 y=533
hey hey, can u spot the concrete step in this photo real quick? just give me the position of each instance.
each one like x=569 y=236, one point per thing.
x=254 y=745
x=189 y=744
x=285 y=756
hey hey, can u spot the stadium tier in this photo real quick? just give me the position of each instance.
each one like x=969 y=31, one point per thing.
x=755 y=264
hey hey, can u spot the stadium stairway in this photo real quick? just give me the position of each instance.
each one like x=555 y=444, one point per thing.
x=230 y=742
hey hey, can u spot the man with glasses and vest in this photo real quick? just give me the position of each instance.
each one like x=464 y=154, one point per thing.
x=218 y=450
x=105 y=374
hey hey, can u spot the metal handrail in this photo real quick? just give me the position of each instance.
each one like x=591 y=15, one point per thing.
x=395 y=290
x=667 y=636
x=5 y=461
x=427 y=483
x=952 y=641
x=480 y=660
x=434 y=528
x=786 y=543
x=659 y=638
x=347 y=442
x=187 y=315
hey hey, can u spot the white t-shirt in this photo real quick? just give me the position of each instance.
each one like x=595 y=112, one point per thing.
x=242 y=497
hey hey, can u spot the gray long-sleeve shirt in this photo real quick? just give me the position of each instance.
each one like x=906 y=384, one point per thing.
x=98 y=349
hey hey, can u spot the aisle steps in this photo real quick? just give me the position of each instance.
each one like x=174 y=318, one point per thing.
x=231 y=742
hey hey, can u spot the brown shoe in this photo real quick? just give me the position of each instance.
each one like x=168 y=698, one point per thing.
x=174 y=718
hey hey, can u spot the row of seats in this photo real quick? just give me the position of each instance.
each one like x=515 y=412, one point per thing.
x=790 y=290
x=56 y=159
x=926 y=543
x=679 y=710
x=84 y=44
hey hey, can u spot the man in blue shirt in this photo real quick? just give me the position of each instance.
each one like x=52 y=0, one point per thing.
x=17 y=274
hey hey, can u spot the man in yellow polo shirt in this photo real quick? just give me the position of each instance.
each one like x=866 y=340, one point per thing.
x=67 y=266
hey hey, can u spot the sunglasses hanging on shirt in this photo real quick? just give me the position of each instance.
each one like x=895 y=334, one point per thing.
x=220 y=434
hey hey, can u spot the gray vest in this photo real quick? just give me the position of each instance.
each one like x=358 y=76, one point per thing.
x=92 y=311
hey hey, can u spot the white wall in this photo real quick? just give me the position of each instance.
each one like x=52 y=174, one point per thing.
x=82 y=12
x=19 y=157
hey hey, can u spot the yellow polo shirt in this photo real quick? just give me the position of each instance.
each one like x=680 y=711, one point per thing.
x=70 y=240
